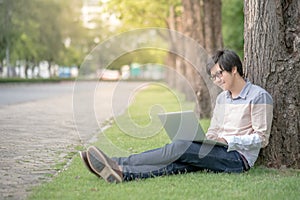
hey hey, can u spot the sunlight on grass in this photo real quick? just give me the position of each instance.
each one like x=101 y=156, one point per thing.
x=139 y=128
x=259 y=183
x=78 y=183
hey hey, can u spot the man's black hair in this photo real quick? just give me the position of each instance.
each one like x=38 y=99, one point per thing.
x=227 y=59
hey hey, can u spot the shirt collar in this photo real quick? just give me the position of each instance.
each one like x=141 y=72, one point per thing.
x=243 y=93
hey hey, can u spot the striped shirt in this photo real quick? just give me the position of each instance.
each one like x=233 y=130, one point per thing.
x=244 y=122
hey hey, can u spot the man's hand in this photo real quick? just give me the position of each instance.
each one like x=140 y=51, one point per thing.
x=222 y=140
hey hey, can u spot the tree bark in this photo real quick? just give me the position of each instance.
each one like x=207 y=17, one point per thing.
x=212 y=25
x=202 y=22
x=174 y=62
x=26 y=68
x=49 y=69
x=272 y=60
x=171 y=62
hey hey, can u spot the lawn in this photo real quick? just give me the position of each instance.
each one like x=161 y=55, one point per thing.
x=133 y=132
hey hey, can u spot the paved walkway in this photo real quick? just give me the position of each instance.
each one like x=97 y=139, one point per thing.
x=36 y=135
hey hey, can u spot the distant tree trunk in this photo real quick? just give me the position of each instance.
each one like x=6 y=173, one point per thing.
x=272 y=60
x=192 y=27
x=26 y=68
x=174 y=24
x=1 y=68
x=18 y=66
x=212 y=21
x=171 y=23
x=49 y=69
x=37 y=67
x=202 y=22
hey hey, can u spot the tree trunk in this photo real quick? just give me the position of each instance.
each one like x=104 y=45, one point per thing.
x=193 y=28
x=49 y=69
x=202 y=22
x=36 y=65
x=272 y=60
x=171 y=23
x=1 y=68
x=212 y=25
x=26 y=69
x=174 y=61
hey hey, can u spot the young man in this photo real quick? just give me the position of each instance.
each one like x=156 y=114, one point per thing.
x=242 y=118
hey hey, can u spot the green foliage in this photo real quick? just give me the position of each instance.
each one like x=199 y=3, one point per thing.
x=147 y=13
x=233 y=25
x=139 y=56
x=143 y=13
x=37 y=30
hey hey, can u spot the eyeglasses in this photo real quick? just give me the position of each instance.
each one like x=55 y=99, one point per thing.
x=217 y=74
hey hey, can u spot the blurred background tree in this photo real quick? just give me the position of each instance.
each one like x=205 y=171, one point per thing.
x=233 y=25
x=55 y=32
x=200 y=20
x=44 y=30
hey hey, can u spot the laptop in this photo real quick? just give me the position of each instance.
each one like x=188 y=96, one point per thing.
x=184 y=125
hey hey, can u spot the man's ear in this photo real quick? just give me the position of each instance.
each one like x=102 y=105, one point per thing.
x=234 y=70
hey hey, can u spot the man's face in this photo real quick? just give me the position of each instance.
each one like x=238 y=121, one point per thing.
x=221 y=78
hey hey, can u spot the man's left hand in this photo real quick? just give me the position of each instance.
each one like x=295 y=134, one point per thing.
x=222 y=140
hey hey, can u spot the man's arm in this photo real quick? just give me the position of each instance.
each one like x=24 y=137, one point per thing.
x=261 y=119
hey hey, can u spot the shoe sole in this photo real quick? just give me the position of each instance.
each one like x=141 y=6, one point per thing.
x=100 y=165
x=86 y=162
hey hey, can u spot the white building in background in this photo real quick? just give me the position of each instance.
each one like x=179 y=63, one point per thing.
x=91 y=11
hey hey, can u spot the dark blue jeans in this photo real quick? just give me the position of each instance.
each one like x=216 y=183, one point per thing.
x=180 y=157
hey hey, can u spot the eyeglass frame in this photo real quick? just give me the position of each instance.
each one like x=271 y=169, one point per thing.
x=218 y=74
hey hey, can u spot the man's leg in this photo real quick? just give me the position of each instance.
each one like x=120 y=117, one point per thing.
x=178 y=157
x=160 y=156
x=213 y=158
x=156 y=162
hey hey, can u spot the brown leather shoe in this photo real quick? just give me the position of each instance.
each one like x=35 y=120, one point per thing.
x=105 y=167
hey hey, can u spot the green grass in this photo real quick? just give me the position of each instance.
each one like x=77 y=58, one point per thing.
x=34 y=80
x=78 y=183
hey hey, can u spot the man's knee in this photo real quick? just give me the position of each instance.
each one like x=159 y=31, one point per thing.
x=181 y=145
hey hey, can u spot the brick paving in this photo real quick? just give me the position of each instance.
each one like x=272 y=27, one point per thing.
x=36 y=135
